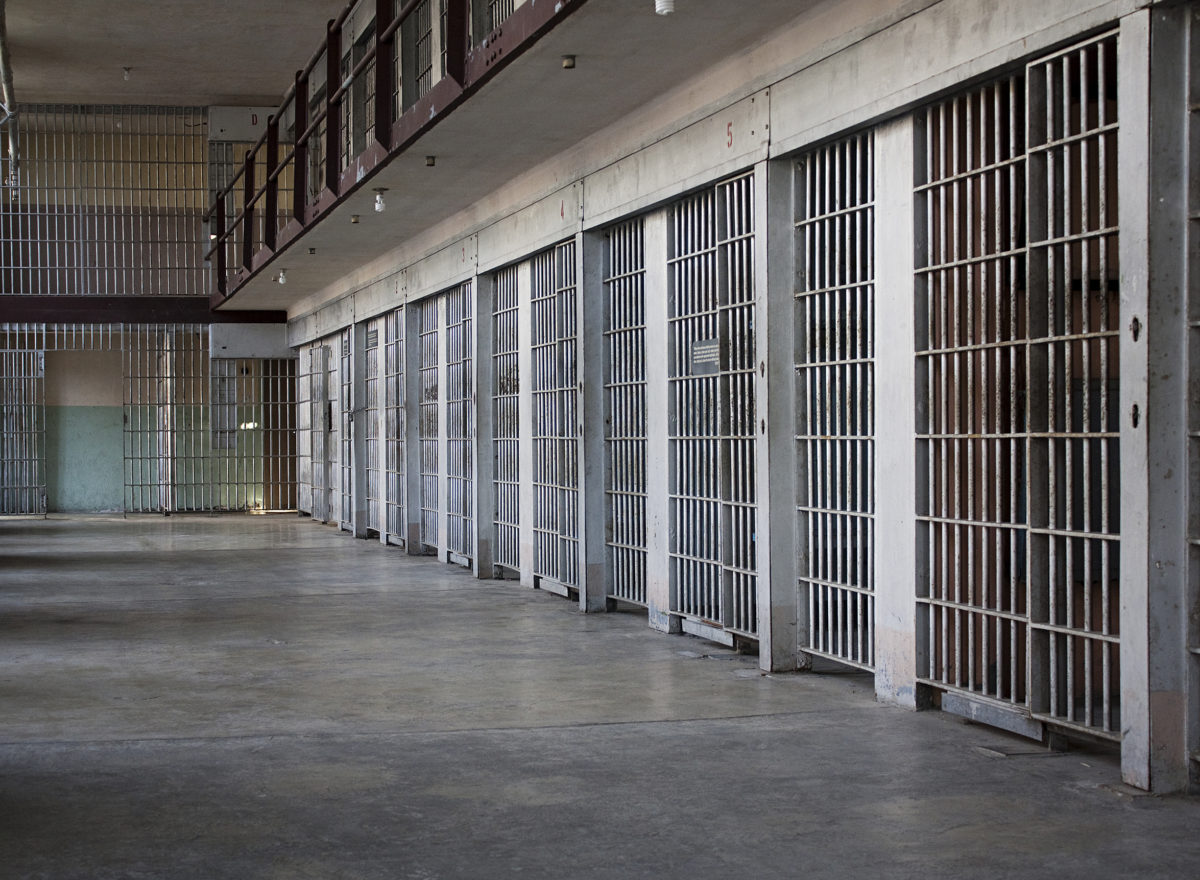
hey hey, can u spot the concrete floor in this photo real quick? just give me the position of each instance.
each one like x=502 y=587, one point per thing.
x=261 y=697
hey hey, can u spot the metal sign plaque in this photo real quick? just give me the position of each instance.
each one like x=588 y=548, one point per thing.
x=706 y=357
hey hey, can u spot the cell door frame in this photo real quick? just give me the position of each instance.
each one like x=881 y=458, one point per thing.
x=27 y=414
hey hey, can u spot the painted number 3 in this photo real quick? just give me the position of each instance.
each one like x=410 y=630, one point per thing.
x=729 y=135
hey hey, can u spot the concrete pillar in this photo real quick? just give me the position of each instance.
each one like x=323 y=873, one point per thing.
x=483 y=383
x=591 y=367
x=443 y=441
x=896 y=557
x=1152 y=140
x=775 y=390
x=658 y=447
x=525 y=418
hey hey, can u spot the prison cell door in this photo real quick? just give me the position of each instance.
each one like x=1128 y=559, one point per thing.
x=1017 y=371
x=625 y=410
x=23 y=440
x=460 y=423
x=395 y=427
x=506 y=419
x=713 y=494
x=555 y=419
x=320 y=377
x=835 y=404
x=372 y=351
x=429 y=427
x=447 y=423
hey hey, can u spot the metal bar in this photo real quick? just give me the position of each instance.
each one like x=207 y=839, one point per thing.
x=271 y=208
x=333 y=99
x=247 y=215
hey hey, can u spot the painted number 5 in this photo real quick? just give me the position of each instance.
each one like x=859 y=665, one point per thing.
x=729 y=135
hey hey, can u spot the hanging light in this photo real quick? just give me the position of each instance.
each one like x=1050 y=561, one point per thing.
x=380 y=206
x=282 y=279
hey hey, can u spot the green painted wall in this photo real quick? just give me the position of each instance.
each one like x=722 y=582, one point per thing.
x=84 y=458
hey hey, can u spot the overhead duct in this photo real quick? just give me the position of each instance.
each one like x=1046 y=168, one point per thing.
x=8 y=100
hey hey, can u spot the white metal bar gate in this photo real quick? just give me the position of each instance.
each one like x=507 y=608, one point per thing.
x=23 y=437
x=396 y=420
x=835 y=405
x=460 y=422
x=321 y=419
x=371 y=450
x=427 y=410
x=1018 y=357
x=712 y=409
x=506 y=420
x=555 y=416
x=625 y=338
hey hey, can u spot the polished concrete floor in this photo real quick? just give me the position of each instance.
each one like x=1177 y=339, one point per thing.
x=262 y=697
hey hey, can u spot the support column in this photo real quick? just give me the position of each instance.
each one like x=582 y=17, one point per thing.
x=485 y=457
x=443 y=441
x=525 y=418
x=896 y=567
x=775 y=391
x=1152 y=139
x=658 y=446
x=593 y=549
x=381 y=416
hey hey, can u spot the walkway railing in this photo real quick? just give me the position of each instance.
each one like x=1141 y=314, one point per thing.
x=366 y=94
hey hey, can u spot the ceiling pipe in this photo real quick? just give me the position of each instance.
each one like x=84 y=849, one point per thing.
x=8 y=96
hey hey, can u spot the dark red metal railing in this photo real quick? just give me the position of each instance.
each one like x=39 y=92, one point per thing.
x=308 y=169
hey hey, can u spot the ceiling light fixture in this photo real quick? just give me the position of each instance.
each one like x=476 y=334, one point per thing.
x=568 y=62
x=430 y=161
x=312 y=252
x=664 y=7
x=380 y=206
x=282 y=279
x=353 y=218
x=125 y=71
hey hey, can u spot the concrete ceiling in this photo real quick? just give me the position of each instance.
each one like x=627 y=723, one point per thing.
x=180 y=52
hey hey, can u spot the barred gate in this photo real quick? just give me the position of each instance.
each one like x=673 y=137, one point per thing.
x=712 y=417
x=166 y=427
x=507 y=420
x=1017 y=355
x=625 y=343
x=322 y=422
x=371 y=451
x=429 y=427
x=835 y=401
x=22 y=433
x=396 y=418
x=460 y=422
x=555 y=417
